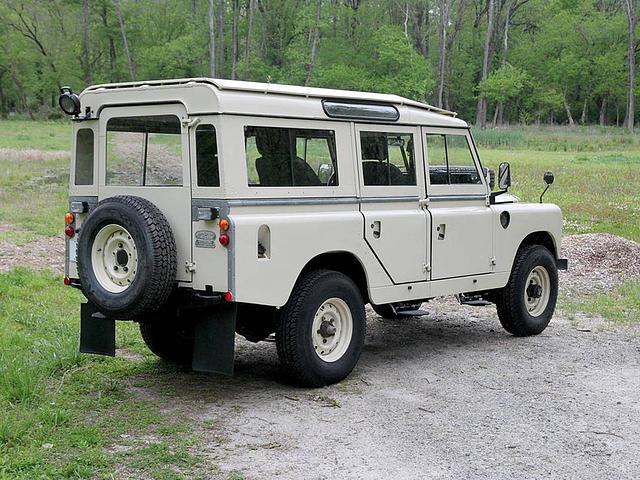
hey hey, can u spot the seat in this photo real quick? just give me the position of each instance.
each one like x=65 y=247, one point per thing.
x=277 y=166
x=375 y=168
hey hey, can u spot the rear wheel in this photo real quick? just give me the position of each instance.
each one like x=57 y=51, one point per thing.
x=526 y=304
x=320 y=333
x=168 y=336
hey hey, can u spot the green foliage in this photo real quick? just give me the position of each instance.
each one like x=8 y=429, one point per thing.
x=562 y=54
x=503 y=84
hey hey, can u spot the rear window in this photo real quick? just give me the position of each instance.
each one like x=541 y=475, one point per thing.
x=144 y=151
x=207 y=156
x=290 y=157
x=84 y=157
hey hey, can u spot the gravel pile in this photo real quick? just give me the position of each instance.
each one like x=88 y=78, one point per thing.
x=599 y=262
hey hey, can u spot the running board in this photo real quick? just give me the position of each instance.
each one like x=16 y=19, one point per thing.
x=411 y=313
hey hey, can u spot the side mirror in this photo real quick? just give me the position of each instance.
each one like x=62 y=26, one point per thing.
x=325 y=170
x=548 y=178
x=504 y=176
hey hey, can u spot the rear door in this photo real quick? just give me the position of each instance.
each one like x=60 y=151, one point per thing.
x=144 y=151
x=391 y=185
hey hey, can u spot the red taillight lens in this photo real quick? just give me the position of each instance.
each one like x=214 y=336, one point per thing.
x=66 y=281
x=224 y=239
x=228 y=297
x=69 y=231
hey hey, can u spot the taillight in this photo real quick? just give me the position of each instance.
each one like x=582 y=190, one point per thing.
x=66 y=281
x=69 y=218
x=228 y=297
x=69 y=221
x=224 y=239
x=69 y=231
x=224 y=224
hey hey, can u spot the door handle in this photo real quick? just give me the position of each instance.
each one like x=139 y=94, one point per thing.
x=442 y=231
x=376 y=227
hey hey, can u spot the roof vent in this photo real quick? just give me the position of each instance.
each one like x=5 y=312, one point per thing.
x=360 y=111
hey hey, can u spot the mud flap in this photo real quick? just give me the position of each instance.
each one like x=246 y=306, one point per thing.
x=214 y=344
x=97 y=332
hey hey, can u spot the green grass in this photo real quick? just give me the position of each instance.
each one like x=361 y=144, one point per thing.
x=622 y=305
x=65 y=415
x=41 y=135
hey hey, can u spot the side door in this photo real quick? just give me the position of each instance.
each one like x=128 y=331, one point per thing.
x=461 y=233
x=391 y=184
x=145 y=152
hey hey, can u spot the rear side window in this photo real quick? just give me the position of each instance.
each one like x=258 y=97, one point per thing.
x=451 y=161
x=290 y=157
x=387 y=158
x=144 y=151
x=207 y=156
x=84 y=157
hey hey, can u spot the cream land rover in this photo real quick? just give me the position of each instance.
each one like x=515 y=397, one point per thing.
x=201 y=208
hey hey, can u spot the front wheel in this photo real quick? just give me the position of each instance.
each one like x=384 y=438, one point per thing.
x=320 y=332
x=526 y=304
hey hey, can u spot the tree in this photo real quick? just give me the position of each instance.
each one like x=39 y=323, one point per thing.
x=630 y=7
x=125 y=42
x=481 y=116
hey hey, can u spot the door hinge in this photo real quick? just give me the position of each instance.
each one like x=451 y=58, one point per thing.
x=426 y=267
x=423 y=202
x=190 y=267
x=492 y=261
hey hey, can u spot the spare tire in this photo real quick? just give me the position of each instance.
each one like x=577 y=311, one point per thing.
x=126 y=257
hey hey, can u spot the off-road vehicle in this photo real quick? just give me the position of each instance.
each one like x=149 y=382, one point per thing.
x=201 y=208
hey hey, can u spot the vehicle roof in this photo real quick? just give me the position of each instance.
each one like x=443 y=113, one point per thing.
x=214 y=96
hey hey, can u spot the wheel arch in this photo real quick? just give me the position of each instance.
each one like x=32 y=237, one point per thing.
x=344 y=262
x=543 y=238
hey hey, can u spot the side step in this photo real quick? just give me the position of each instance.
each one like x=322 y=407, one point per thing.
x=411 y=313
x=473 y=300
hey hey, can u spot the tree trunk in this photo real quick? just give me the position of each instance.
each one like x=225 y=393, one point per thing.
x=603 y=111
x=220 y=37
x=583 y=116
x=314 y=43
x=481 y=116
x=567 y=109
x=445 y=17
x=113 y=60
x=212 y=42
x=247 y=47
x=125 y=43
x=86 y=62
x=234 y=39
x=630 y=8
x=194 y=8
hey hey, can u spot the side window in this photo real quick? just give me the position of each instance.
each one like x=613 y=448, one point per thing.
x=290 y=157
x=387 y=158
x=451 y=161
x=144 y=151
x=84 y=157
x=207 y=156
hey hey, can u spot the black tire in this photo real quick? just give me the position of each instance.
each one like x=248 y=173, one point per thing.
x=510 y=300
x=156 y=251
x=294 y=339
x=168 y=336
x=387 y=310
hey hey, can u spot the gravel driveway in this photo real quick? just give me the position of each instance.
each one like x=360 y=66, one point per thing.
x=450 y=395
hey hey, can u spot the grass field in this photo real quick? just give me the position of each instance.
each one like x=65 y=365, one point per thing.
x=63 y=415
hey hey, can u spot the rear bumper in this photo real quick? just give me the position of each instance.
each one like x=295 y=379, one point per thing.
x=562 y=263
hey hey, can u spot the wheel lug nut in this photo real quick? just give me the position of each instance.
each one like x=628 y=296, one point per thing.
x=115 y=267
x=125 y=269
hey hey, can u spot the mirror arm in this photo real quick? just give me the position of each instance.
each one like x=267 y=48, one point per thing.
x=493 y=195
x=544 y=191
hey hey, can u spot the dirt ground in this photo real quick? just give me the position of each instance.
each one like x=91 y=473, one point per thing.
x=447 y=395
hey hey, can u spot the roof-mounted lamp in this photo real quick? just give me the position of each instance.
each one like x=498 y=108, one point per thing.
x=69 y=101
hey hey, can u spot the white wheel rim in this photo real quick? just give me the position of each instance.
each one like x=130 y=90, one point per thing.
x=114 y=258
x=332 y=329
x=537 y=291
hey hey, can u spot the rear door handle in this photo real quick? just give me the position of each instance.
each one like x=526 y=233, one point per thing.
x=376 y=227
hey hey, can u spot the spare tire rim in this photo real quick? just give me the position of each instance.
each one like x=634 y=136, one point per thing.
x=332 y=329
x=537 y=291
x=114 y=258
